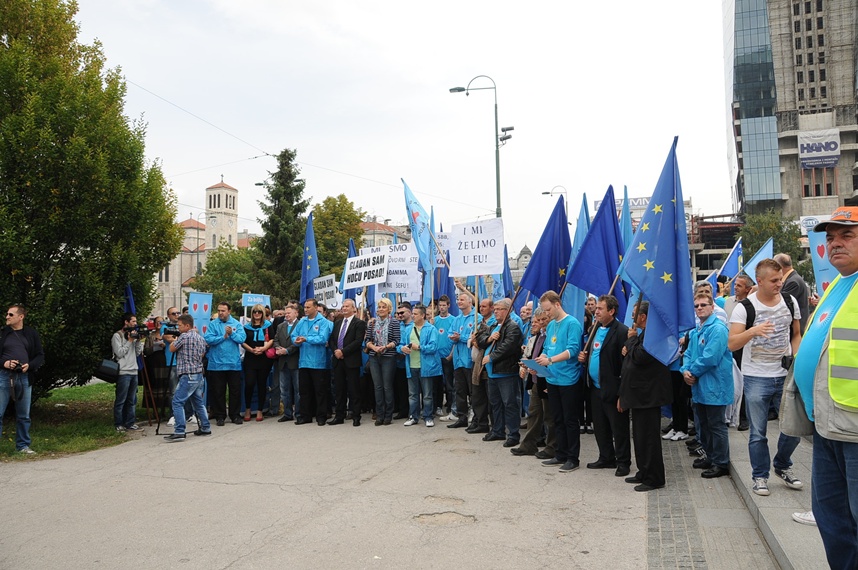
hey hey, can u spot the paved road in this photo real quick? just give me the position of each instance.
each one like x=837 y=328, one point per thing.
x=269 y=494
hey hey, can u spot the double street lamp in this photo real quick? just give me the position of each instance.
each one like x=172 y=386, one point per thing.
x=499 y=140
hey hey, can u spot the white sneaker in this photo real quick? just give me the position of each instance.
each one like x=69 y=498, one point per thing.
x=805 y=518
x=172 y=421
x=679 y=436
x=451 y=417
x=430 y=423
x=410 y=422
x=439 y=412
x=192 y=420
x=669 y=435
x=26 y=451
x=761 y=486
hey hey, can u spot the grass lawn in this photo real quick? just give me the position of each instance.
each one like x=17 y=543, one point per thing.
x=71 y=420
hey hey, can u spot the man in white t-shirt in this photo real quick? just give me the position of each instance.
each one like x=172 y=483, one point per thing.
x=767 y=348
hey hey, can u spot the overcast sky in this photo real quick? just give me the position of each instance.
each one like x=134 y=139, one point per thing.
x=595 y=90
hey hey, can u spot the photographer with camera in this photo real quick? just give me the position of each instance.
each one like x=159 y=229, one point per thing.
x=127 y=345
x=20 y=353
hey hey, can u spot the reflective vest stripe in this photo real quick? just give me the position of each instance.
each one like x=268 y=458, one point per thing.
x=843 y=352
x=844 y=372
x=844 y=334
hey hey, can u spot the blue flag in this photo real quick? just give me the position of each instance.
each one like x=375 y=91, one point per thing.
x=350 y=293
x=419 y=222
x=765 y=252
x=129 y=305
x=657 y=262
x=369 y=298
x=628 y=235
x=508 y=289
x=547 y=267
x=574 y=298
x=446 y=286
x=310 y=265
x=601 y=253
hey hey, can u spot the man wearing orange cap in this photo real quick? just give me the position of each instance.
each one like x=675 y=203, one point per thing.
x=826 y=373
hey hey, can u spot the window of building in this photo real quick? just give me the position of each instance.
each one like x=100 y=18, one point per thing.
x=810 y=59
x=214 y=241
x=161 y=276
x=822 y=75
x=811 y=76
x=799 y=77
x=829 y=189
x=812 y=92
x=819 y=23
x=823 y=91
x=798 y=43
x=796 y=26
x=809 y=42
x=806 y=192
x=818 y=6
x=798 y=59
x=801 y=94
x=796 y=9
x=820 y=41
x=821 y=57
x=817 y=189
x=807 y=7
x=808 y=25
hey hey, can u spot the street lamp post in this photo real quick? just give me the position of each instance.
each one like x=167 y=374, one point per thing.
x=565 y=196
x=500 y=140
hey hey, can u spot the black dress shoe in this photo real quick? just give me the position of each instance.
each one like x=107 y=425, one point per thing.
x=542 y=455
x=743 y=426
x=493 y=437
x=400 y=416
x=553 y=462
x=336 y=422
x=634 y=479
x=510 y=443
x=284 y=418
x=602 y=464
x=521 y=452
x=644 y=487
x=715 y=471
x=321 y=423
x=237 y=421
x=356 y=422
x=622 y=471
x=301 y=421
x=540 y=442
x=379 y=422
x=479 y=429
x=220 y=422
x=201 y=432
x=458 y=424
x=387 y=422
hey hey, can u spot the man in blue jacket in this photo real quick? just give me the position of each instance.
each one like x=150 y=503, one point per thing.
x=708 y=368
x=224 y=336
x=459 y=335
x=444 y=323
x=419 y=343
x=311 y=334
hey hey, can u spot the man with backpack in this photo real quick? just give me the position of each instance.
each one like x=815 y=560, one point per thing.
x=766 y=327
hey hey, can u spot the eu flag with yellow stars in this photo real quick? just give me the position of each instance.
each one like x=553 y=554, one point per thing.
x=547 y=268
x=310 y=265
x=658 y=264
x=596 y=264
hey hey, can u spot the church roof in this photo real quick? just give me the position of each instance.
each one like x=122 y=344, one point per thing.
x=525 y=251
x=222 y=184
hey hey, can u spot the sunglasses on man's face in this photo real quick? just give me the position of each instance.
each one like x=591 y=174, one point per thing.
x=698 y=305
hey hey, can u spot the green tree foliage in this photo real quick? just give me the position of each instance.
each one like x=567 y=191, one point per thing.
x=83 y=213
x=228 y=273
x=759 y=228
x=283 y=227
x=335 y=220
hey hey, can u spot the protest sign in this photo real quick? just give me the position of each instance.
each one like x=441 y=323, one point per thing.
x=403 y=278
x=363 y=270
x=476 y=248
x=325 y=291
x=443 y=239
x=250 y=299
x=200 y=307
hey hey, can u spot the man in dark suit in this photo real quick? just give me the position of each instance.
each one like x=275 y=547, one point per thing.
x=603 y=361
x=645 y=388
x=345 y=342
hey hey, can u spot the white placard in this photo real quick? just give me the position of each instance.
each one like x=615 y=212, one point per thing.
x=325 y=291
x=403 y=278
x=476 y=248
x=363 y=270
x=443 y=241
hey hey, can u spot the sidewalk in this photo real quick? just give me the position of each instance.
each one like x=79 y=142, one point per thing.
x=794 y=545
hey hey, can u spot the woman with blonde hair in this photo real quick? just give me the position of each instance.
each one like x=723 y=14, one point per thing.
x=257 y=366
x=382 y=337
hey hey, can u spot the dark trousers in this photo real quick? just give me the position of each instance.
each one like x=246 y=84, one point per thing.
x=480 y=401
x=565 y=401
x=347 y=383
x=219 y=381
x=646 y=432
x=314 y=386
x=679 y=408
x=400 y=393
x=449 y=387
x=255 y=379
x=585 y=413
x=462 y=381
x=539 y=420
x=611 y=428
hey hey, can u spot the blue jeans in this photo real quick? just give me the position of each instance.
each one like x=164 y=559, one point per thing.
x=834 y=490
x=23 y=396
x=174 y=382
x=712 y=433
x=760 y=393
x=383 y=370
x=289 y=390
x=505 y=402
x=123 y=404
x=416 y=385
x=193 y=387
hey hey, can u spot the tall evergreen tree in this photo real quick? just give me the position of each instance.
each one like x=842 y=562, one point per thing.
x=83 y=213
x=282 y=240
